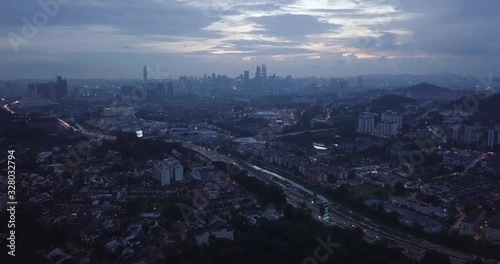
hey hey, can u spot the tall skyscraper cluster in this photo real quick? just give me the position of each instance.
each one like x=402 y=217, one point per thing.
x=54 y=92
x=261 y=72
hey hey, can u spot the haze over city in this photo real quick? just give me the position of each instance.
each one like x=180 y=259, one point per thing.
x=110 y=38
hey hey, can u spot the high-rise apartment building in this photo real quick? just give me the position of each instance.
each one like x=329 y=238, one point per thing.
x=366 y=123
x=393 y=116
x=468 y=134
x=493 y=138
x=169 y=170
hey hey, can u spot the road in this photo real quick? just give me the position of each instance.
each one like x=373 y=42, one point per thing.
x=86 y=133
x=304 y=131
x=413 y=247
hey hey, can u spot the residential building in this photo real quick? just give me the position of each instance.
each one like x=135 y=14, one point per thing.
x=468 y=134
x=393 y=116
x=168 y=171
x=387 y=129
x=366 y=123
x=492 y=138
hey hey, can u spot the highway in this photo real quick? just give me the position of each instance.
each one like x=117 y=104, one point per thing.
x=413 y=247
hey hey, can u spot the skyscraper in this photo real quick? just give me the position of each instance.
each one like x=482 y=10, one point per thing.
x=61 y=87
x=264 y=71
x=246 y=79
x=145 y=73
x=257 y=72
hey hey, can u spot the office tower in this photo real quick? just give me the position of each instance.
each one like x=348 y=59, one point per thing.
x=264 y=71
x=145 y=74
x=366 y=123
x=61 y=88
x=257 y=72
x=393 y=116
x=169 y=170
x=468 y=133
x=213 y=77
x=246 y=79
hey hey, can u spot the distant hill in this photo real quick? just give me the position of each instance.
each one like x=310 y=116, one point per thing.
x=423 y=88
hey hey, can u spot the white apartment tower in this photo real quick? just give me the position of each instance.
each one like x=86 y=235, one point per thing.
x=169 y=170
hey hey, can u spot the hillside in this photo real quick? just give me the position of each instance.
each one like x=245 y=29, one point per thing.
x=423 y=88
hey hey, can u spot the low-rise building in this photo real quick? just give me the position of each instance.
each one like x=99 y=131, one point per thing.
x=470 y=224
x=492 y=232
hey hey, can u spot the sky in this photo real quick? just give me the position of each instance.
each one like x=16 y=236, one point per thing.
x=116 y=38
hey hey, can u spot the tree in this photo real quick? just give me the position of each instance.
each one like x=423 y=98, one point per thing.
x=399 y=189
x=434 y=257
x=459 y=168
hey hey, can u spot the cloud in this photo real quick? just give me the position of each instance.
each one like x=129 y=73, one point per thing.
x=293 y=26
x=300 y=36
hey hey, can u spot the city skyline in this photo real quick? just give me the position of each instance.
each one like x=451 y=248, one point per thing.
x=321 y=38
